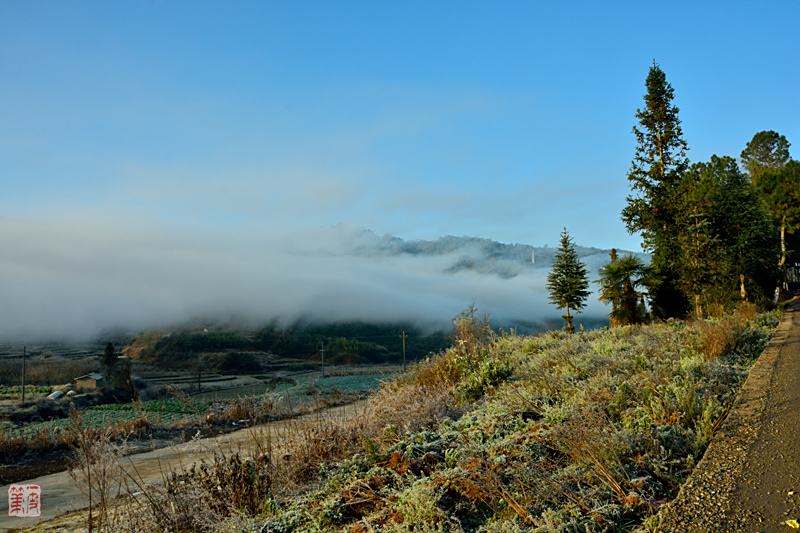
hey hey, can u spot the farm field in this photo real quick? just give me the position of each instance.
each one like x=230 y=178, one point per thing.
x=55 y=349
x=223 y=404
x=156 y=412
x=296 y=387
x=294 y=390
x=32 y=392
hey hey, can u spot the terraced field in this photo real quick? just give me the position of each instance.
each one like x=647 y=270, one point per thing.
x=70 y=350
x=32 y=392
x=294 y=390
x=155 y=411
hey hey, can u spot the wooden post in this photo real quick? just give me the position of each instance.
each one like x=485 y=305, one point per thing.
x=322 y=356
x=24 y=368
x=404 y=337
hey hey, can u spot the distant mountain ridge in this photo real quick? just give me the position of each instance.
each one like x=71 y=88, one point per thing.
x=477 y=254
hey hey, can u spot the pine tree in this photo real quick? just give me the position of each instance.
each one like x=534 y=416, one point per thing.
x=621 y=284
x=655 y=174
x=780 y=188
x=700 y=250
x=726 y=237
x=766 y=150
x=567 y=281
x=747 y=231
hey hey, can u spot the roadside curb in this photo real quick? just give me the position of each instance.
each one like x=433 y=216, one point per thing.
x=703 y=502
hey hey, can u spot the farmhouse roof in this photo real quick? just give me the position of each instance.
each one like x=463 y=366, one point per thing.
x=91 y=375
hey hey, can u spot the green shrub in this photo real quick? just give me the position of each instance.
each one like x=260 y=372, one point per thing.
x=488 y=374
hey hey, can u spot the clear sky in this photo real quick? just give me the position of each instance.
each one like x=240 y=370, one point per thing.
x=496 y=119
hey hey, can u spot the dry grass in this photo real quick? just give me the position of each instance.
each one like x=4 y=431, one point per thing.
x=588 y=432
x=593 y=431
x=53 y=371
x=719 y=336
x=278 y=462
x=95 y=469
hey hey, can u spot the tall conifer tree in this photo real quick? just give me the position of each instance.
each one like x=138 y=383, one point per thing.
x=780 y=188
x=655 y=174
x=567 y=281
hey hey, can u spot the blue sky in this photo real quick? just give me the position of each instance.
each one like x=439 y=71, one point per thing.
x=501 y=120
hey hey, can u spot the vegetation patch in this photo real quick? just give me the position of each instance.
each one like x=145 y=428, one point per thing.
x=46 y=371
x=14 y=392
x=557 y=432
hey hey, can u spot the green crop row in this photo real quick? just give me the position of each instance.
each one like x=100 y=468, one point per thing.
x=170 y=405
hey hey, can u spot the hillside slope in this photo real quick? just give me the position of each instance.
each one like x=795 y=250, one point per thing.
x=465 y=253
x=595 y=430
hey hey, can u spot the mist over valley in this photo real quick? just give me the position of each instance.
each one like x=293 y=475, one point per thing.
x=80 y=280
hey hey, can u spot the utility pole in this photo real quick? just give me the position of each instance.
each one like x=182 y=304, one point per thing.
x=200 y=363
x=404 y=337
x=322 y=356
x=24 y=364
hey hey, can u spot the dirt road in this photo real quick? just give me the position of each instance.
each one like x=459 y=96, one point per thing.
x=60 y=494
x=749 y=479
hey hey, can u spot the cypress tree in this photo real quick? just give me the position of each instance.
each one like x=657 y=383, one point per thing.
x=109 y=356
x=567 y=281
x=658 y=164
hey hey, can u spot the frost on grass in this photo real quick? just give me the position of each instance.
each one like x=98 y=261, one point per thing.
x=589 y=431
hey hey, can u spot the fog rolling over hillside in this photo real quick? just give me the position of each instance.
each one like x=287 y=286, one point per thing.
x=476 y=254
x=73 y=281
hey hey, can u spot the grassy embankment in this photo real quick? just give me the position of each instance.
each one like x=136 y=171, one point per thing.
x=594 y=430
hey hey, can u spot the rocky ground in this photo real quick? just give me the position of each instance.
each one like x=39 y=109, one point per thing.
x=749 y=479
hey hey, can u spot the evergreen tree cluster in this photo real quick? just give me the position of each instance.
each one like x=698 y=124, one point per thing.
x=718 y=232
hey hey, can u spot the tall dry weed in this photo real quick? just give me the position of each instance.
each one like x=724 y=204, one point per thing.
x=717 y=337
x=96 y=471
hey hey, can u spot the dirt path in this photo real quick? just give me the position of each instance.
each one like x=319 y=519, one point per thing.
x=60 y=495
x=749 y=479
